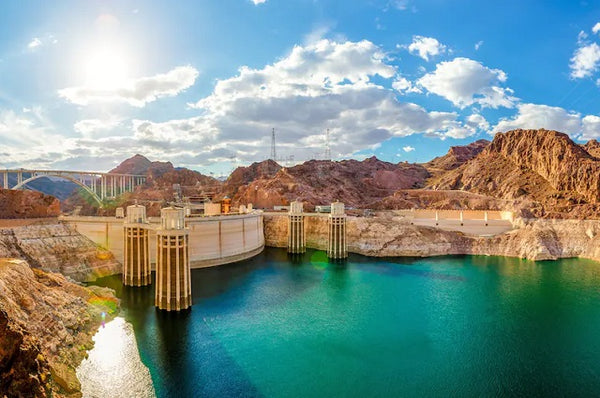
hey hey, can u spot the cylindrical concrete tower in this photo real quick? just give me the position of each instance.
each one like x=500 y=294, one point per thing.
x=136 y=253
x=337 y=247
x=173 y=277
x=296 y=233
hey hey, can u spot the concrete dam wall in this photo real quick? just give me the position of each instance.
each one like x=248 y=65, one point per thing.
x=214 y=240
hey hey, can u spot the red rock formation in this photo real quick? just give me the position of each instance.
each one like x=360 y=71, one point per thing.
x=593 y=148
x=27 y=204
x=545 y=170
x=356 y=183
x=245 y=175
x=446 y=200
x=457 y=156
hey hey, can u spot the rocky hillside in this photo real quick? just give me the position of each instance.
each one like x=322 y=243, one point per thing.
x=155 y=193
x=58 y=248
x=27 y=204
x=356 y=183
x=445 y=200
x=46 y=326
x=549 y=174
x=245 y=175
x=457 y=156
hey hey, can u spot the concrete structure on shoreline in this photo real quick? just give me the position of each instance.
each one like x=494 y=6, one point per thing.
x=296 y=232
x=136 y=256
x=173 y=291
x=337 y=247
x=213 y=240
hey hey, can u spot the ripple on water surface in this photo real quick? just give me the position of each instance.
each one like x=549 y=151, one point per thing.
x=275 y=326
x=113 y=367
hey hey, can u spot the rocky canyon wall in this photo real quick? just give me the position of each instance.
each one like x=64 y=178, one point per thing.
x=46 y=326
x=27 y=204
x=58 y=248
x=394 y=236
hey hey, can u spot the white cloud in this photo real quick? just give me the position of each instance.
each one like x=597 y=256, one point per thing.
x=465 y=82
x=426 y=47
x=596 y=28
x=478 y=45
x=535 y=116
x=403 y=85
x=408 y=148
x=136 y=92
x=34 y=43
x=590 y=127
x=585 y=61
x=475 y=120
x=323 y=85
x=94 y=127
x=257 y=2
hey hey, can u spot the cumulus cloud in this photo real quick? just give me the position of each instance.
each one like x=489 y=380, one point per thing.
x=426 y=47
x=534 y=116
x=465 y=82
x=403 y=85
x=94 y=127
x=478 y=45
x=408 y=148
x=585 y=61
x=590 y=127
x=596 y=28
x=257 y=2
x=320 y=85
x=136 y=92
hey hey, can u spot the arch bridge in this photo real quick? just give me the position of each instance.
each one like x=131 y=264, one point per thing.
x=99 y=185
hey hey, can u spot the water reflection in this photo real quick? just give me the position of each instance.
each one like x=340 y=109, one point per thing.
x=113 y=367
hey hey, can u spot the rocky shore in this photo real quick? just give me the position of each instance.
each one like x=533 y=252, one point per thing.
x=46 y=328
x=388 y=236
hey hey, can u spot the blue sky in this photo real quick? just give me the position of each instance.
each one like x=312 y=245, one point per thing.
x=86 y=84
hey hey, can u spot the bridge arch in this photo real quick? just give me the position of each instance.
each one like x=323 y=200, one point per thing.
x=63 y=176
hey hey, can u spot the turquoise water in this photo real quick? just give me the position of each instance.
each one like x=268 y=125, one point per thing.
x=436 y=327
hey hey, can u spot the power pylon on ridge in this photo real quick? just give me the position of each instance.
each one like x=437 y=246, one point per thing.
x=273 y=151
x=327 y=147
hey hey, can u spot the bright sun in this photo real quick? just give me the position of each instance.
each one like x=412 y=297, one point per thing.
x=105 y=69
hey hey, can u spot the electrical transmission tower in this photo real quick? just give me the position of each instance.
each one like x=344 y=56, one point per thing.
x=327 y=147
x=273 y=151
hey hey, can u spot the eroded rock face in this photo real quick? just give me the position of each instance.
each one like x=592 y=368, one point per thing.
x=356 y=183
x=442 y=200
x=387 y=235
x=27 y=204
x=58 y=248
x=457 y=156
x=550 y=175
x=46 y=326
x=245 y=175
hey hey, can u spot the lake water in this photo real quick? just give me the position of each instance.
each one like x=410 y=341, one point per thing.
x=435 y=327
